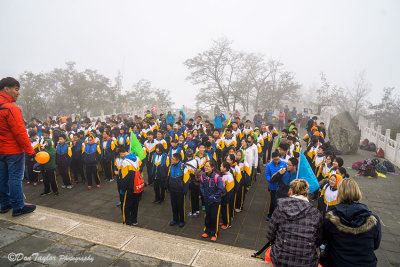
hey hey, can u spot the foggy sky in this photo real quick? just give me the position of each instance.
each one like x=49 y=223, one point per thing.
x=152 y=39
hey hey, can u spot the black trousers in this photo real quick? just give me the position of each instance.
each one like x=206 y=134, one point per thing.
x=159 y=189
x=226 y=208
x=178 y=206
x=212 y=219
x=107 y=166
x=33 y=176
x=149 y=166
x=92 y=171
x=240 y=196
x=264 y=152
x=253 y=177
x=65 y=174
x=259 y=162
x=194 y=193
x=77 y=169
x=270 y=145
x=49 y=178
x=130 y=208
x=272 y=202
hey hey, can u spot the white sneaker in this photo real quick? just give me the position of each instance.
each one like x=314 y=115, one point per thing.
x=237 y=210
x=63 y=186
x=69 y=187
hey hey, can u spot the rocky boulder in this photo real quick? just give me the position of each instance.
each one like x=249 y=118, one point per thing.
x=344 y=134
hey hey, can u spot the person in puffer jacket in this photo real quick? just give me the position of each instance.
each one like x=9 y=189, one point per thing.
x=351 y=231
x=212 y=188
x=295 y=229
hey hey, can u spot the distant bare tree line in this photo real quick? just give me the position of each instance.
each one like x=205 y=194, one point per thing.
x=65 y=91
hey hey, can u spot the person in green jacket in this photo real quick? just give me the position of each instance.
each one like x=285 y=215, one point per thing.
x=49 y=177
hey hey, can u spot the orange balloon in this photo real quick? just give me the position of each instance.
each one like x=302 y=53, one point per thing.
x=42 y=157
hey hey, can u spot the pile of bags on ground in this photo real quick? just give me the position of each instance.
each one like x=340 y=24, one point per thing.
x=370 y=146
x=372 y=167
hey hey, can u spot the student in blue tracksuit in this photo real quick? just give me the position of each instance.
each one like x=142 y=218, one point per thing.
x=160 y=164
x=107 y=155
x=91 y=155
x=63 y=159
x=76 y=158
x=178 y=186
x=212 y=188
x=272 y=169
x=284 y=177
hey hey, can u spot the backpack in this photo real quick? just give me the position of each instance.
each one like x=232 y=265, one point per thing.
x=389 y=166
x=368 y=169
x=215 y=179
x=380 y=153
x=381 y=168
x=357 y=165
x=371 y=147
x=374 y=161
x=365 y=142
x=138 y=184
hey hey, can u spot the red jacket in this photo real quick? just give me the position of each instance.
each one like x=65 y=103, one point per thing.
x=13 y=136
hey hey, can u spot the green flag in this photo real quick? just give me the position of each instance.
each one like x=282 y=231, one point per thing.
x=136 y=147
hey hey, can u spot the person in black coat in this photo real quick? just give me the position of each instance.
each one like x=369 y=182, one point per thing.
x=351 y=231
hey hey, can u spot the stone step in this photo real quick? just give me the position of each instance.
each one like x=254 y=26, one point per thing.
x=136 y=240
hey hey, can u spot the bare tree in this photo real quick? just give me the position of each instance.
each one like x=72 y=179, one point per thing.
x=215 y=70
x=144 y=96
x=359 y=94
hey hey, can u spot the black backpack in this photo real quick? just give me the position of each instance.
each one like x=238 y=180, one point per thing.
x=375 y=162
x=381 y=168
x=371 y=147
x=389 y=166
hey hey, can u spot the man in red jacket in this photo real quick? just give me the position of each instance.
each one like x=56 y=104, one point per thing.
x=14 y=143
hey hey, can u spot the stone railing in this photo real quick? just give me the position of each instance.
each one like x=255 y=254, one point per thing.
x=374 y=134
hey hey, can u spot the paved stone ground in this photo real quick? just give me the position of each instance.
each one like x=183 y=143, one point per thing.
x=249 y=227
x=45 y=249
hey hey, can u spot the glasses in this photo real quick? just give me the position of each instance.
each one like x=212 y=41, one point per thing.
x=289 y=165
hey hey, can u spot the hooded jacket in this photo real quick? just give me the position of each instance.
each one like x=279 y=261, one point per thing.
x=351 y=233
x=218 y=120
x=295 y=232
x=13 y=136
x=51 y=164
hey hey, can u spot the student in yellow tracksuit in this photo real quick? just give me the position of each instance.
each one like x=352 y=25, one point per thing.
x=237 y=174
x=129 y=166
x=226 y=207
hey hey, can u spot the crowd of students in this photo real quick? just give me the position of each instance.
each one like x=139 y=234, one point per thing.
x=214 y=167
x=213 y=164
x=344 y=231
